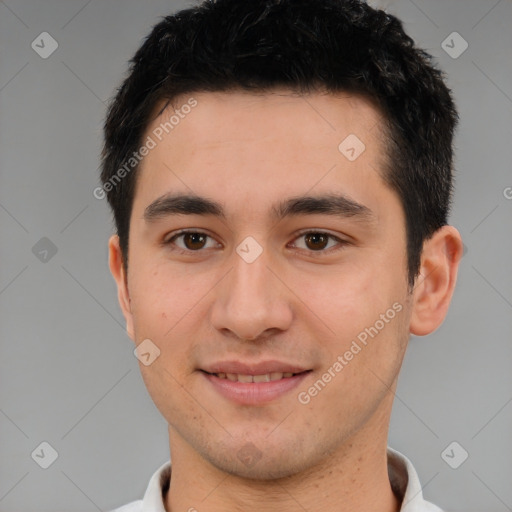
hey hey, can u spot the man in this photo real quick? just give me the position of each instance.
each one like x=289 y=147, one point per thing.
x=280 y=174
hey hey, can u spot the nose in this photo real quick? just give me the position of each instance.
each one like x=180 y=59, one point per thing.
x=252 y=302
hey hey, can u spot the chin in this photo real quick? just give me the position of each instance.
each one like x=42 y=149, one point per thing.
x=263 y=470
x=262 y=463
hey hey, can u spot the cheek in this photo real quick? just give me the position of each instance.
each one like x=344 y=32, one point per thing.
x=346 y=299
x=163 y=383
x=160 y=298
x=364 y=304
x=166 y=304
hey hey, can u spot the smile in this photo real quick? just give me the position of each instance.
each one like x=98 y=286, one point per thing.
x=257 y=389
x=266 y=377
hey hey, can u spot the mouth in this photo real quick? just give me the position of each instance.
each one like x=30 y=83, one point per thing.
x=265 y=377
x=252 y=386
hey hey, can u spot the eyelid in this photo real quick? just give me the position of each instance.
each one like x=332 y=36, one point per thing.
x=341 y=242
x=184 y=231
x=169 y=240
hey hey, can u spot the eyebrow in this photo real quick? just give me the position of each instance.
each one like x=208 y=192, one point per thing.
x=328 y=204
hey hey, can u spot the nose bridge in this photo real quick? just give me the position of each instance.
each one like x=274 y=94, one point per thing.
x=250 y=281
x=250 y=300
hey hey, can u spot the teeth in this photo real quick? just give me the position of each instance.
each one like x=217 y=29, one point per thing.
x=261 y=378
x=267 y=377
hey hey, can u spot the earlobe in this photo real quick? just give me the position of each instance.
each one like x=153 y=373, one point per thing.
x=436 y=282
x=117 y=269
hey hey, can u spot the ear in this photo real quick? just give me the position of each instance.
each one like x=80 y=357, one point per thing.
x=435 y=283
x=115 y=261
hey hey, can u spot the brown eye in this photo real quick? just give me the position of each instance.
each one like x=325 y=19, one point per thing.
x=190 y=241
x=194 y=241
x=320 y=242
x=316 y=241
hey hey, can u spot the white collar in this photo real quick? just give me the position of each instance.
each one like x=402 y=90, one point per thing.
x=402 y=475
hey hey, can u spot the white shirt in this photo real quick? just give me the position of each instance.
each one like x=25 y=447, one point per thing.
x=402 y=476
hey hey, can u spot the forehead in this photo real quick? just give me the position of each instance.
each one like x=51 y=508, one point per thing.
x=254 y=146
x=264 y=115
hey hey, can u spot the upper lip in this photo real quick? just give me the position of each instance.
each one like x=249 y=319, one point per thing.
x=261 y=368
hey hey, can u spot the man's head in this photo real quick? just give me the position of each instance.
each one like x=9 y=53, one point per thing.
x=309 y=160
x=333 y=46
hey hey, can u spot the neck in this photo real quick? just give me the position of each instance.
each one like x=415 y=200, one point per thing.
x=352 y=479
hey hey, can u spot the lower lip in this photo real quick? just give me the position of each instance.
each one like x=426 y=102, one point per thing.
x=254 y=393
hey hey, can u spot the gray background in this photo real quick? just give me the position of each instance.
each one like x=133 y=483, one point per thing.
x=67 y=371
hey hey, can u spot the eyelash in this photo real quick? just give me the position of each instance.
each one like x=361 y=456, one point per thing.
x=320 y=252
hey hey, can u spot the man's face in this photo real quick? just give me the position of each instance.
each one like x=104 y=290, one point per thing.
x=257 y=293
